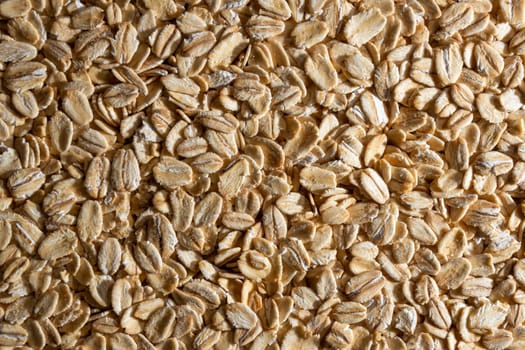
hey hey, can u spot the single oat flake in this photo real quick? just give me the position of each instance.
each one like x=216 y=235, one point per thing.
x=262 y=174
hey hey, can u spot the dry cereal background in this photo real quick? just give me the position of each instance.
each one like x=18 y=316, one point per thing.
x=262 y=174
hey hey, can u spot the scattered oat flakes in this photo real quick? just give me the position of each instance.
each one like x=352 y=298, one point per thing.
x=268 y=174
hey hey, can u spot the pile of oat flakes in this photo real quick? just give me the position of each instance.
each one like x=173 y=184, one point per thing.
x=264 y=174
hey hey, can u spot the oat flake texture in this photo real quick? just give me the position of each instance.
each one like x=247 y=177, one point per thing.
x=262 y=174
